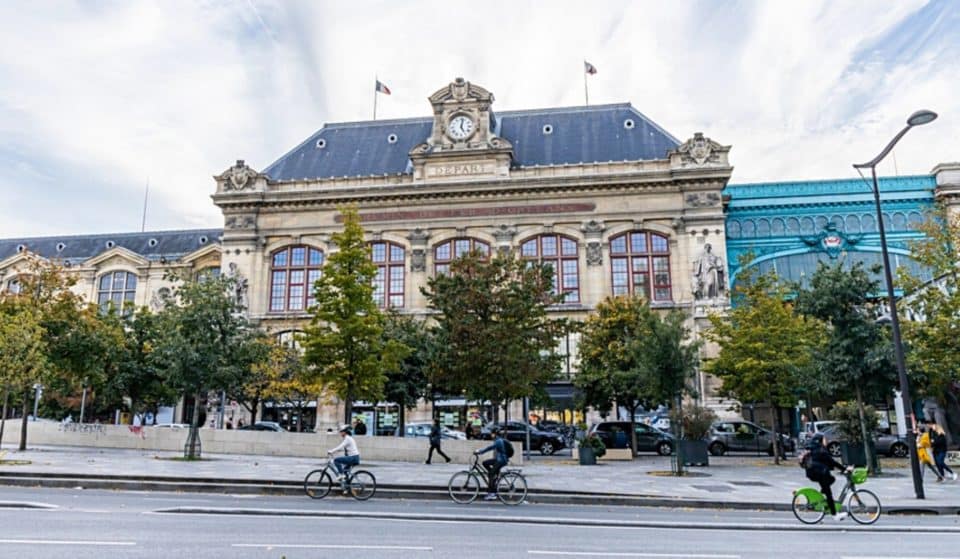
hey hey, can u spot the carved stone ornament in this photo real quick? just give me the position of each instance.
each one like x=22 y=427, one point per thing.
x=703 y=199
x=709 y=275
x=504 y=233
x=594 y=253
x=593 y=227
x=239 y=177
x=241 y=285
x=418 y=260
x=418 y=236
x=240 y=222
x=700 y=151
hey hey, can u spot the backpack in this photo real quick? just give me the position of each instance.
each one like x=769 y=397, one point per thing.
x=508 y=448
x=806 y=459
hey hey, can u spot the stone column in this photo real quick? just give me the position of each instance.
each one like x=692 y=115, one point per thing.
x=593 y=282
x=419 y=248
x=947 y=190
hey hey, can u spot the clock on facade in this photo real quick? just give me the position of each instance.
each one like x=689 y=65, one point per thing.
x=460 y=127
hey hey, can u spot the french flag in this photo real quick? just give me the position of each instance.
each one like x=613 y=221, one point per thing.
x=382 y=88
x=589 y=68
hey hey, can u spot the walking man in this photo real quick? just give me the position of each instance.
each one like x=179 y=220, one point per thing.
x=435 y=435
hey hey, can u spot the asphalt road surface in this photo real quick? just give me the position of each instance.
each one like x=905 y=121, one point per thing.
x=81 y=523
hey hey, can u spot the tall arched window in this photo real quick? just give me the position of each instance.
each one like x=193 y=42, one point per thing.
x=447 y=252
x=561 y=254
x=293 y=271
x=388 y=284
x=116 y=289
x=640 y=264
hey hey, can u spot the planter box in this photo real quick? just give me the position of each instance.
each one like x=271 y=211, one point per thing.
x=585 y=456
x=618 y=454
x=853 y=454
x=694 y=453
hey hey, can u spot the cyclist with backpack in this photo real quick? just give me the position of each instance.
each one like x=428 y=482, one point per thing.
x=817 y=462
x=502 y=452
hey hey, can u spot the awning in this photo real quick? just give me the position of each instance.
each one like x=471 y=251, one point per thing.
x=563 y=396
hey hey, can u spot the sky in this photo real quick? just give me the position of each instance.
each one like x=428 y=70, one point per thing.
x=100 y=99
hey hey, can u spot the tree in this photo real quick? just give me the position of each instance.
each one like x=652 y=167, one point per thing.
x=23 y=355
x=632 y=355
x=408 y=382
x=253 y=373
x=344 y=343
x=289 y=380
x=201 y=329
x=493 y=338
x=855 y=357
x=766 y=350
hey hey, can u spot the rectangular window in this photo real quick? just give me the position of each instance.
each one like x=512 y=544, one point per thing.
x=661 y=278
x=379 y=283
x=638 y=242
x=105 y=282
x=641 y=284
x=296 y=297
x=462 y=247
x=549 y=246
x=443 y=268
x=618 y=267
x=118 y=280
x=298 y=256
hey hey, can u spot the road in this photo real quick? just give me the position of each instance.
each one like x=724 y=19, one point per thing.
x=95 y=524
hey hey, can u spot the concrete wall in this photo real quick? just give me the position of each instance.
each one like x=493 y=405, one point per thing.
x=215 y=441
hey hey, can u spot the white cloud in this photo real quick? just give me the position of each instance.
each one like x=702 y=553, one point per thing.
x=98 y=100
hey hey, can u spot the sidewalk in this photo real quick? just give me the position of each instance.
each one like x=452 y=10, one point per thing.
x=742 y=481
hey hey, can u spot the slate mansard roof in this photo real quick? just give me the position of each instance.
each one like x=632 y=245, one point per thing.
x=152 y=245
x=558 y=136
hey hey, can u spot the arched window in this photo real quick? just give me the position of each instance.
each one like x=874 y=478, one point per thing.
x=561 y=254
x=13 y=286
x=293 y=271
x=445 y=253
x=634 y=258
x=388 y=284
x=210 y=272
x=116 y=289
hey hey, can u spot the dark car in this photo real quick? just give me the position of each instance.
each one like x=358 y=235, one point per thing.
x=891 y=445
x=743 y=436
x=263 y=426
x=546 y=442
x=649 y=439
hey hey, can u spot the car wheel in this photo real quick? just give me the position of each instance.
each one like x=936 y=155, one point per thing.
x=547 y=448
x=664 y=448
x=717 y=449
x=899 y=450
x=834 y=449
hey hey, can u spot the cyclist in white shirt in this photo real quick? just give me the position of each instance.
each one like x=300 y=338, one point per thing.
x=351 y=455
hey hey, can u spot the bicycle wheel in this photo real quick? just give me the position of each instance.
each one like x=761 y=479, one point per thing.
x=864 y=506
x=512 y=488
x=463 y=487
x=317 y=484
x=362 y=485
x=808 y=507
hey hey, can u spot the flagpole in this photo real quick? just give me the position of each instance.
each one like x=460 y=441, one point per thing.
x=586 y=92
x=376 y=80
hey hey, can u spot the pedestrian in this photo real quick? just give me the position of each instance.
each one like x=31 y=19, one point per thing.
x=435 y=436
x=939 y=446
x=924 y=452
x=359 y=427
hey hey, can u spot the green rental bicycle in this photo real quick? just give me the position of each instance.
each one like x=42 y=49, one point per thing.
x=810 y=505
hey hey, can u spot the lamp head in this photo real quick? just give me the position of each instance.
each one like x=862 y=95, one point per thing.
x=921 y=117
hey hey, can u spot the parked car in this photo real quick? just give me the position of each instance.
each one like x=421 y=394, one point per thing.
x=744 y=436
x=172 y=425
x=811 y=428
x=264 y=426
x=649 y=439
x=886 y=443
x=547 y=442
x=658 y=420
x=423 y=430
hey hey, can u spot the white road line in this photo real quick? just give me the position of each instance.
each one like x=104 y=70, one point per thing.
x=889 y=557
x=68 y=542
x=332 y=546
x=629 y=554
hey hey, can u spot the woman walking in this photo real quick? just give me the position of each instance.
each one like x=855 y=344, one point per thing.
x=939 y=446
x=435 y=435
x=924 y=454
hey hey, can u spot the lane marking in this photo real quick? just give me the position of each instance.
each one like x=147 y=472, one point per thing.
x=332 y=546
x=68 y=542
x=629 y=554
x=888 y=557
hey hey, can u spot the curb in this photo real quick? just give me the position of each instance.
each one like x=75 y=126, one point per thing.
x=399 y=491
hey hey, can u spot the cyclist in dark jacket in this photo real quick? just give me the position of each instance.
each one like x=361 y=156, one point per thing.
x=494 y=464
x=819 y=471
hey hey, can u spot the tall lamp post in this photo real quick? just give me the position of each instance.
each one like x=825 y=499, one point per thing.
x=916 y=119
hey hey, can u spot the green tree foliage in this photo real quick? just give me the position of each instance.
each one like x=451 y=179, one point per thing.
x=344 y=343
x=766 y=350
x=23 y=352
x=493 y=339
x=252 y=380
x=934 y=339
x=202 y=330
x=290 y=383
x=855 y=359
x=631 y=355
x=407 y=383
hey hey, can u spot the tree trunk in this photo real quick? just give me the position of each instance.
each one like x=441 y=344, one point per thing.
x=402 y=419
x=677 y=428
x=23 y=422
x=633 y=429
x=775 y=439
x=867 y=450
x=348 y=411
x=193 y=439
x=3 y=418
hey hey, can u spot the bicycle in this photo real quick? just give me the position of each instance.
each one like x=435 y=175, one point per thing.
x=810 y=505
x=464 y=486
x=360 y=484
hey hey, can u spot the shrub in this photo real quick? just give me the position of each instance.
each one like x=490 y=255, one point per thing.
x=849 y=417
x=594 y=442
x=695 y=420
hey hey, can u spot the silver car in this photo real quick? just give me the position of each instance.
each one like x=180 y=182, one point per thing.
x=423 y=430
x=886 y=443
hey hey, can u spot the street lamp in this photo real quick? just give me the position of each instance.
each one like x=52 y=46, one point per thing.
x=916 y=119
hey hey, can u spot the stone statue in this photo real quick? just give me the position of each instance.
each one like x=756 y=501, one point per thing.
x=708 y=275
x=240 y=287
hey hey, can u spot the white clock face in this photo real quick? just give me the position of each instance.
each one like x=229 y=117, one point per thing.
x=460 y=127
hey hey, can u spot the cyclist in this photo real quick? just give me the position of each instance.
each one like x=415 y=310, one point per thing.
x=819 y=471
x=351 y=455
x=493 y=465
